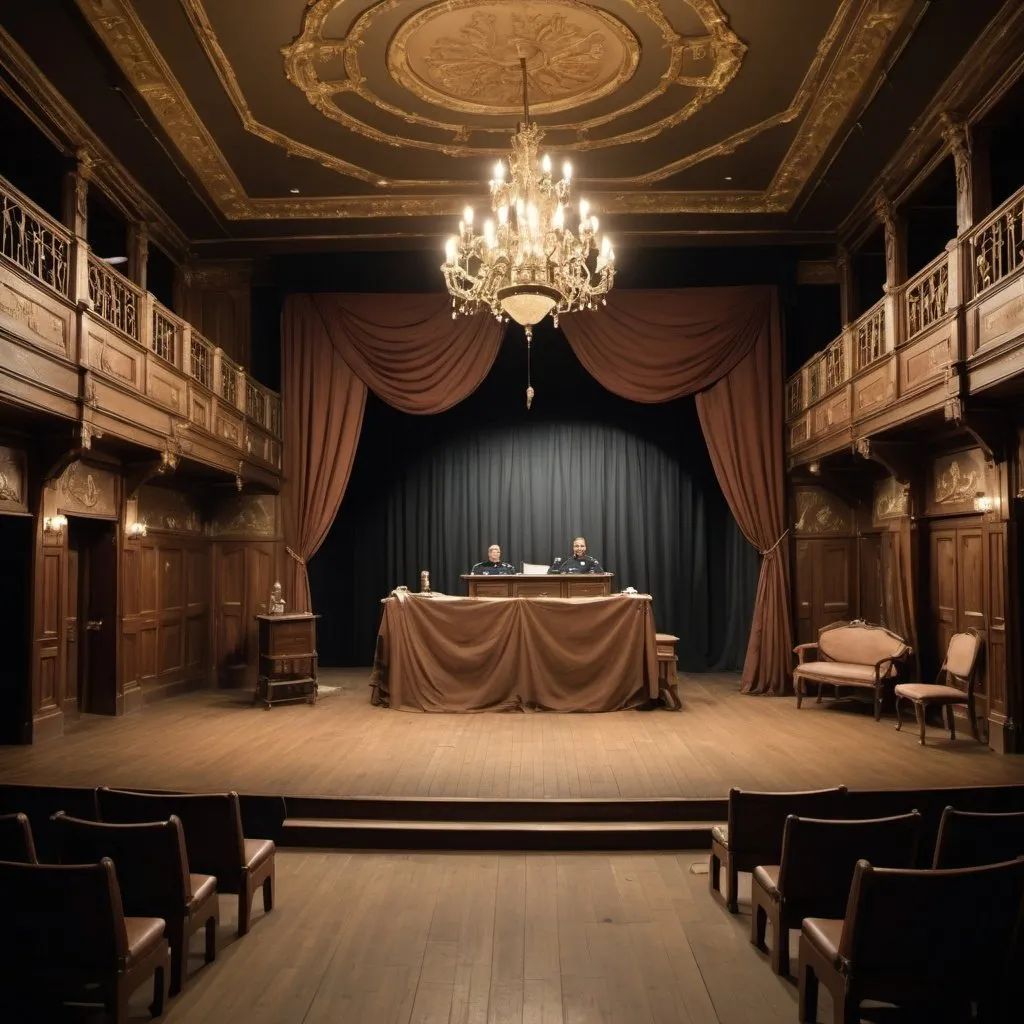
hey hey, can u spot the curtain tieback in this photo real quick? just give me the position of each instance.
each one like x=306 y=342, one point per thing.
x=768 y=551
x=297 y=558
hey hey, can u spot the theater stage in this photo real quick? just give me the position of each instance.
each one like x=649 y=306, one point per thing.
x=215 y=740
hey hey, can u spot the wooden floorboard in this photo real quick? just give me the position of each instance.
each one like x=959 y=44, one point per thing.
x=486 y=939
x=211 y=740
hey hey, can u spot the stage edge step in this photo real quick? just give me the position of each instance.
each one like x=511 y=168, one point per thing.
x=575 y=836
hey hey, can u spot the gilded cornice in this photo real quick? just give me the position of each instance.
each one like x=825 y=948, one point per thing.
x=862 y=30
x=73 y=134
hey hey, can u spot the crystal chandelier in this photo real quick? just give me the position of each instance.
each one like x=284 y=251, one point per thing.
x=527 y=263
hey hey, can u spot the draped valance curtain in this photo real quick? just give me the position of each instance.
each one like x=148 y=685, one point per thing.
x=724 y=344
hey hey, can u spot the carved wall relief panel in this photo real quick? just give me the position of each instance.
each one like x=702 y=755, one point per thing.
x=87 y=490
x=817 y=512
x=891 y=501
x=954 y=482
x=246 y=516
x=163 y=509
x=44 y=325
x=13 y=491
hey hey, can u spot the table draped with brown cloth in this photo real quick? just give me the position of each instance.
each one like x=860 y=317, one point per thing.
x=462 y=654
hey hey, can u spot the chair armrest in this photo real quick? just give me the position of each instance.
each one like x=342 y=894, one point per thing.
x=802 y=650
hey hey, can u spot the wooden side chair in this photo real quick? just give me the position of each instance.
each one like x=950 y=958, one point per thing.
x=67 y=939
x=213 y=838
x=812 y=878
x=968 y=838
x=753 y=833
x=153 y=876
x=16 y=839
x=953 y=685
x=915 y=938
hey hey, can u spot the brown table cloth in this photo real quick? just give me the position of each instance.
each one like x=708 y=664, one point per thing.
x=461 y=654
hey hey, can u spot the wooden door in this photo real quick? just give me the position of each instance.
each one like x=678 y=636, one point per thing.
x=230 y=617
x=72 y=625
x=943 y=550
x=871 y=604
x=98 y=682
x=824 y=583
x=16 y=561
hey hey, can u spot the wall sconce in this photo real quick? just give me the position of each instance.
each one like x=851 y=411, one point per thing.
x=54 y=524
x=983 y=503
x=137 y=529
x=814 y=468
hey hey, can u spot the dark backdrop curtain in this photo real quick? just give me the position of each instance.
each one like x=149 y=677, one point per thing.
x=433 y=492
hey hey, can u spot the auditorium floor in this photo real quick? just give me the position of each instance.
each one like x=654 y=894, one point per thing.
x=344 y=747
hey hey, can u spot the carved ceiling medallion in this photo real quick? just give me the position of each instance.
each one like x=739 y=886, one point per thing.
x=465 y=56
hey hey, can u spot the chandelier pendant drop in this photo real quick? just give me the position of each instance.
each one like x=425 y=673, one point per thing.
x=526 y=263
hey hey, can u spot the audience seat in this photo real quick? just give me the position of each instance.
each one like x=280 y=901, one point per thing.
x=753 y=833
x=213 y=839
x=16 y=842
x=968 y=839
x=153 y=876
x=67 y=939
x=917 y=939
x=812 y=878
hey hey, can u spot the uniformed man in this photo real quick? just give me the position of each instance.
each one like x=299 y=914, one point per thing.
x=493 y=565
x=580 y=561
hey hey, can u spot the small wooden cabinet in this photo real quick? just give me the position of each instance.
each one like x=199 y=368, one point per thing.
x=582 y=584
x=287 y=659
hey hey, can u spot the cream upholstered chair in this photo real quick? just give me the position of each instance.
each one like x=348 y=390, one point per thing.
x=953 y=685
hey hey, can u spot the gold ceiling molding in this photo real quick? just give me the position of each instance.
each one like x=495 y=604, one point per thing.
x=575 y=54
x=829 y=90
x=721 y=46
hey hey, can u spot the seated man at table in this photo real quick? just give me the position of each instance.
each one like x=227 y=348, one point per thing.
x=580 y=561
x=493 y=566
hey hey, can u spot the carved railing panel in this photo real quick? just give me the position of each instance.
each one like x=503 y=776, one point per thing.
x=114 y=298
x=997 y=244
x=34 y=241
x=834 y=366
x=227 y=386
x=869 y=335
x=167 y=329
x=200 y=361
x=794 y=396
x=926 y=297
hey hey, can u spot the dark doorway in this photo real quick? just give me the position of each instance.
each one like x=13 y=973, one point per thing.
x=91 y=617
x=16 y=628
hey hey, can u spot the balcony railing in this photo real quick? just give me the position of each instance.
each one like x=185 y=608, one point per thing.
x=34 y=241
x=926 y=297
x=39 y=246
x=997 y=244
x=869 y=331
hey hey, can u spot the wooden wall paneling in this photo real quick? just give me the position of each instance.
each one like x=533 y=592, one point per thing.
x=972 y=600
x=171 y=646
x=943 y=593
x=48 y=602
x=131 y=622
x=72 y=653
x=871 y=605
x=996 y=570
x=230 y=575
x=197 y=559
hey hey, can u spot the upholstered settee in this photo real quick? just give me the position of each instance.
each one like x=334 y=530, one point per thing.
x=855 y=654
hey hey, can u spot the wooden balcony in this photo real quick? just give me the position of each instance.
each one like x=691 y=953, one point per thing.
x=80 y=341
x=952 y=331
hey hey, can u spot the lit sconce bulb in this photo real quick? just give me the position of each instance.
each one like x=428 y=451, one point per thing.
x=532 y=217
x=499 y=171
x=467 y=216
x=559 y=218
x=606 y=246
x=567 y=170
x=593 y=224
x=449 y=250
x=503 y=215
x=489 y=234
x=584 y=209
x=520 y=208
x=545 y=164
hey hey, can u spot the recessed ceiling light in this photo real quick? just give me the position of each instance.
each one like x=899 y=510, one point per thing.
x=382 y=181
x=728 y=177
x=115 y=260
x=294 y=191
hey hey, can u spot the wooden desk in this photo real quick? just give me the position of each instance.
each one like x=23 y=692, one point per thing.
x=288 y=658
x=578 y=584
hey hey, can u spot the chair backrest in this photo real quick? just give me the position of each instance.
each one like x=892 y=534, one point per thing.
x=149 y=858
x=955 y=926
x=819 y=855
x=756 y=820
x=962 y=657
x=61 y=915
x=860 y=643
x=16 y=839
x=212 y=823
x=969 y=838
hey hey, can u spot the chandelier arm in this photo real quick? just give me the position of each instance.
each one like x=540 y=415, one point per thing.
x=526 y=106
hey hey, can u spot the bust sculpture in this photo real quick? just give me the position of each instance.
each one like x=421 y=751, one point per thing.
x=276 y=600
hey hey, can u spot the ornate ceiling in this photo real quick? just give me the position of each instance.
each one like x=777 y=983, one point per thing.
x=368 y=119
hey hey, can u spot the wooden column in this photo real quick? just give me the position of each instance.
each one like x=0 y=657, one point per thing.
x=895 y=227
x=138 y=252
x=75 y=215
x=970 y=152
x=847 y=285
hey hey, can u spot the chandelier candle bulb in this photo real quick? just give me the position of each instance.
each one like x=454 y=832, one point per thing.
x=567 y=172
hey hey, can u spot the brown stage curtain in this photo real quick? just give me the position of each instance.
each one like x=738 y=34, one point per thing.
x=725 y=344
x=405 y=348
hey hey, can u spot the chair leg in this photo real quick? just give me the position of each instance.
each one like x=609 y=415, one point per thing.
x=758 y=917
x=179 y=960
x=878 y=703
x=780 y=948
x=808 y=994
x=211 y=938
x=972 y=717
x=733 y=878
x=799 y=690
x=899 y=717
x=714 y=872
x=268 y=891
x=244 y=905
x=161 y=988
x=950 y=721
x=919 y=711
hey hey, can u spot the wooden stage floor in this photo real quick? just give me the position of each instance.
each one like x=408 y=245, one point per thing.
x=214 y=740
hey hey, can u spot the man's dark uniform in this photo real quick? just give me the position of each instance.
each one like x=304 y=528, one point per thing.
x=492 y=569
x=588 y=563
